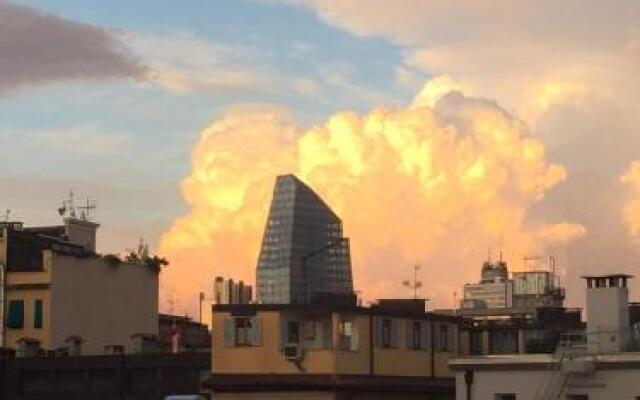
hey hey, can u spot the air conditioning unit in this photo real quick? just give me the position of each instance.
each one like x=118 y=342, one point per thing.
x=292 y=352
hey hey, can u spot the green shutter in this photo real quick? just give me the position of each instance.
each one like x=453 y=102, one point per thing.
x=37 y=314
x=15 y=319
x=229 y=332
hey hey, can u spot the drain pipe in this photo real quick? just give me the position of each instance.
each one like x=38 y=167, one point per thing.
x=468 y=379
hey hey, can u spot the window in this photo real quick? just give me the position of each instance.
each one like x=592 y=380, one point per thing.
x=386 y=332
x=348 y=336
x=15 y=319
x=293 y=332
x=242 y=331
x=476 y=342
x=242 y=328
x=417 y=335
x=505 y=396
x=443 y=342
x=387 y=327
x=309 y=330
x=37 y=314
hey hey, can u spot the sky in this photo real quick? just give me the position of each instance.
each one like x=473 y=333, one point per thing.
x=441 y=132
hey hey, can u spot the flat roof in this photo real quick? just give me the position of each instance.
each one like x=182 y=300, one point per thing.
x=252 y=309
x=624 y=360
x=607 y=276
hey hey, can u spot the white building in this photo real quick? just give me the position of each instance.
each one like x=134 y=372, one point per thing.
x=495 y=289
x=603 y=364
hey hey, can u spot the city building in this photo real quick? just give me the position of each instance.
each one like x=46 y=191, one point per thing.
x=495 y=289
x=180 y=334
x=327 y=350
x=600 y=363
x=520 y=314
x=303 y=250
x=58 y=294
x=520 y=334
x=226 y=291
x=522 y=293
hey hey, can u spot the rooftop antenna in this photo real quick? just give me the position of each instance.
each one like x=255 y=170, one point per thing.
x=86 y=209
x=7 y=215
x=416 y=284
x=68 y=207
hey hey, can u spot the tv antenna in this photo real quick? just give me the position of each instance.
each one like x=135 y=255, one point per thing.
x=86 y=209
x=68 y=207
x=415 y=284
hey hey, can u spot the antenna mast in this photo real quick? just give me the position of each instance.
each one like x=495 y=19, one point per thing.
x=415 y=284
x=86 y=209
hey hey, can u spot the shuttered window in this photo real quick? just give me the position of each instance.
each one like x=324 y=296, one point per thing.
x=15 y=319
x=239 y=332
x=37 y=314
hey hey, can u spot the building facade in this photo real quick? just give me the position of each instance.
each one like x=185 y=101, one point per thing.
x=59 y=294
x=303 y=250
x=323 y=351
x=522 y=292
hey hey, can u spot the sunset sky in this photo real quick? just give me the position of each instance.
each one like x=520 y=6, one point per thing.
x=438 y=130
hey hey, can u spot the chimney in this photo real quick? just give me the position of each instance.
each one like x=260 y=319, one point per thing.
x=608 y=329
x=81 y=232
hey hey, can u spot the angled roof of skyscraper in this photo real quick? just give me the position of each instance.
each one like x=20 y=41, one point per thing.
x=303 y=249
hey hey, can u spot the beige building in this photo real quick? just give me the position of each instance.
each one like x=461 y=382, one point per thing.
x=58 y=293
x=393 y=349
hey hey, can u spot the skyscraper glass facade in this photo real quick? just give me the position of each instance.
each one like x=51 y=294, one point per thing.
x=303 y=251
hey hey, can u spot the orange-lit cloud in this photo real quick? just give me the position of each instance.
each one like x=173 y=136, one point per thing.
x=432 y=185
x=631 y=210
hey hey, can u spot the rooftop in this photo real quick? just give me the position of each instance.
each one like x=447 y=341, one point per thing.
x=629 y=360
x=608 y=276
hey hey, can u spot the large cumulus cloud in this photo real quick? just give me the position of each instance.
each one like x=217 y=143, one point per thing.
x=435 y=185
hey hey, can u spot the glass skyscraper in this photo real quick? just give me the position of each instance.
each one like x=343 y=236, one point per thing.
x=303 y=251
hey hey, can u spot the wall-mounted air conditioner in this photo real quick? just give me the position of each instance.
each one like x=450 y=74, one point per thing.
x=292 y=352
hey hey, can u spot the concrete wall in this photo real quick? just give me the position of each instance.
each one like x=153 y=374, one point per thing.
x=101 y=303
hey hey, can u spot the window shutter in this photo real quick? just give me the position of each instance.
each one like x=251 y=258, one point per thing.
x=16 y=314
x=424 y=340
x=409 y=335
x=229 y=333
x=283 y=333
x=377 y=324
x=37 y=314
x=437 y=340
x=327 y=339
x=394 y=333
x=451 y=340
x=256 y=331
x=355 y=337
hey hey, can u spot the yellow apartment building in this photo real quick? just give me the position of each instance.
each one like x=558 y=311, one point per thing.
x=58 y=294
x=328 y=351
